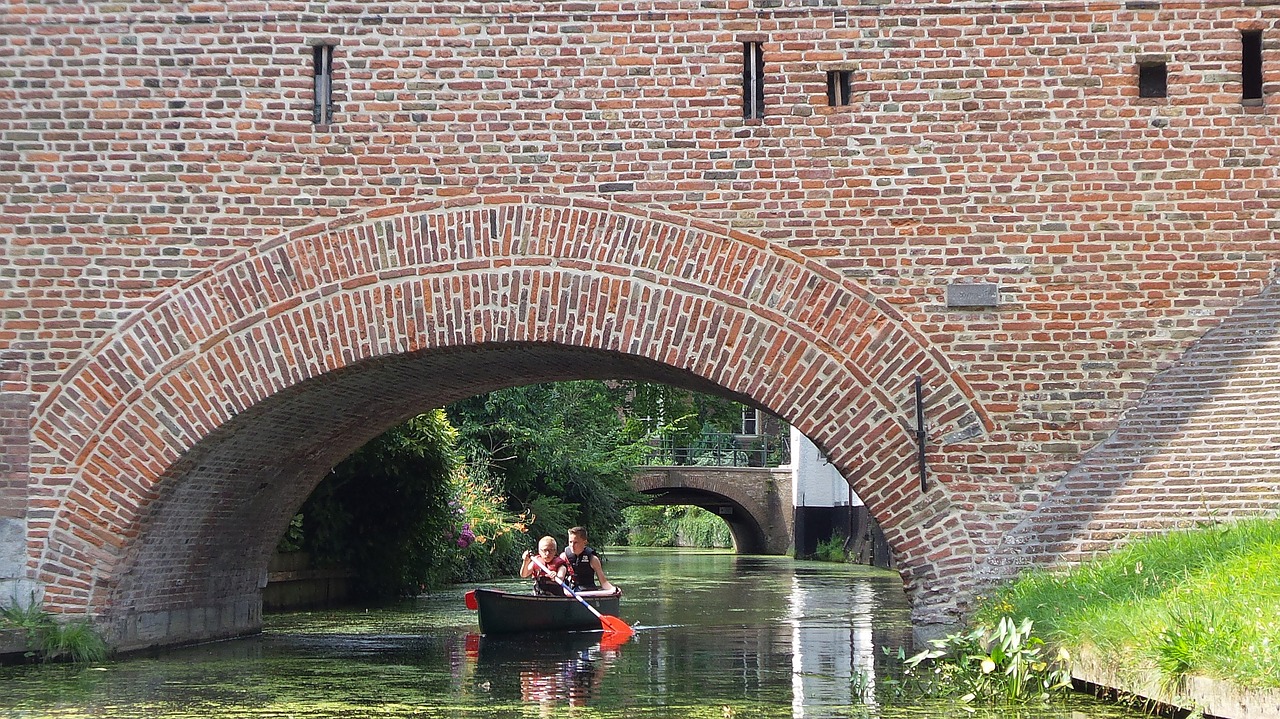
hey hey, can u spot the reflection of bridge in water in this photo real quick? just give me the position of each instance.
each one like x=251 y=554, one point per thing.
x=806 y=635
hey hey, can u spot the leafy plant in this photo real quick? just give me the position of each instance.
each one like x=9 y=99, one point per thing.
x=488 y=537
x=52 y=639
x=293 y=537
x=831 y=550
x=1001 y=665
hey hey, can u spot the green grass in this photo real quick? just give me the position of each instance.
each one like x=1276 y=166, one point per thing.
x=51 y=639
x=1197 y=602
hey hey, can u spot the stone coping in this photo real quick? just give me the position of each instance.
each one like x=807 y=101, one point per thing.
x=1214 y=697
x=13 y=644
x=303 y=575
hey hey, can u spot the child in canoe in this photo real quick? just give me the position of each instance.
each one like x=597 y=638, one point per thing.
x=586 y=576
x=544 y=584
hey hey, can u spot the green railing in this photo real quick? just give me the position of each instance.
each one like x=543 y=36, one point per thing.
x=722 y=450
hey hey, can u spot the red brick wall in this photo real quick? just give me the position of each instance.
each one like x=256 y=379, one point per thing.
x=15 y=439
x=1199 y=447
x=186 y=256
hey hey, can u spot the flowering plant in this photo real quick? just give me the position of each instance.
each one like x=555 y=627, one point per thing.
x=484 y=535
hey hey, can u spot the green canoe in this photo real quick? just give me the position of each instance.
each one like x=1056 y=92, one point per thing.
x=506 y=613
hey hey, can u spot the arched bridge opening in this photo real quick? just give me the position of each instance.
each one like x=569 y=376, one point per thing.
x=173 y=457
x=754 y=502
x=748 y=537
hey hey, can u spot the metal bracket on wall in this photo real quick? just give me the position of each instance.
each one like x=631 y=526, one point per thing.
x=920 y=433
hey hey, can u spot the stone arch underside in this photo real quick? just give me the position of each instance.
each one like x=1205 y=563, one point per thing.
x=748 y=536
x=214 y=411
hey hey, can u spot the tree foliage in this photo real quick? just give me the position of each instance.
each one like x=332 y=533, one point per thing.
x=384 y=511
x=564 y=451
x=425 y=504
x=682 y=417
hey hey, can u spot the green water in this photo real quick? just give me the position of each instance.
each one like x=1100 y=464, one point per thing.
x=717 y=635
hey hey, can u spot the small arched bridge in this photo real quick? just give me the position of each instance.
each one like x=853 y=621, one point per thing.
x=754 y=501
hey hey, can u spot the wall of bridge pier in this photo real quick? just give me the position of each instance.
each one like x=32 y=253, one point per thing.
x=207 y=299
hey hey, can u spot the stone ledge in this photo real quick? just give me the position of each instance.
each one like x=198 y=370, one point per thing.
x=304 y=575
x=13 y=645
x=1216 y=698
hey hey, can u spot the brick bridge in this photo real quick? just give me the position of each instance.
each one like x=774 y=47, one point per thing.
x=208 y=299
x=754 y=501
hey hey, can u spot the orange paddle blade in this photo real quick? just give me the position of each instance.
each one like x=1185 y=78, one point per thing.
x=613 y=641
x=470 y=599
x=614 y=624
x=472 y=646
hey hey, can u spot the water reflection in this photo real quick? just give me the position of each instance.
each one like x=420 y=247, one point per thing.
x=717 y=636
x=550 y=670
x=832 y=647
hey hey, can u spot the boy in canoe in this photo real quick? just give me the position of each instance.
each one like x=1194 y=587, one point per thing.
x=545 y=585
x=584 y=567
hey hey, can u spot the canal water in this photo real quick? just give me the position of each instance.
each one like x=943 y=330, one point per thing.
x=718 y=635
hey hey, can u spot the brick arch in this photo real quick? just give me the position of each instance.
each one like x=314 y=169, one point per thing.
x=759 y=500
x=215 y=410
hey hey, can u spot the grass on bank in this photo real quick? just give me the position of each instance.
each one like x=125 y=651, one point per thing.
x=1195 y=602
x=52 y=640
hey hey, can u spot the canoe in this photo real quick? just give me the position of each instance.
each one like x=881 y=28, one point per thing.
x=506 y=613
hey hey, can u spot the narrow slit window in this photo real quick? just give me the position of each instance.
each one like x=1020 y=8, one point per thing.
x=1153 y=79
x=1251 y=63
x=322 y=103
x=838 y=84
x=752 y=81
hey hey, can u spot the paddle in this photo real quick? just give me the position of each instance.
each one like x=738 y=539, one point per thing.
x=610 y=623
x=470 y=599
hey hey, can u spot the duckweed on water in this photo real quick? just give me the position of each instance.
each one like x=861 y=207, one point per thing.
x=705 y=650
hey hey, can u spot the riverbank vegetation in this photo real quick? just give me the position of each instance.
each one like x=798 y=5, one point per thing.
x=673 y=526
x=832 y=549
x=52 y=640
x=1202 y=602
x=1194 y=602
x=456 y=494
x=999 y=664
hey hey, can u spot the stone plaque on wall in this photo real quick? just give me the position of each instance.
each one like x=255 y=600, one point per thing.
x=976 y=294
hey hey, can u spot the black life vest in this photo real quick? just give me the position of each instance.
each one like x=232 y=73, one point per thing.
x=581 y=575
